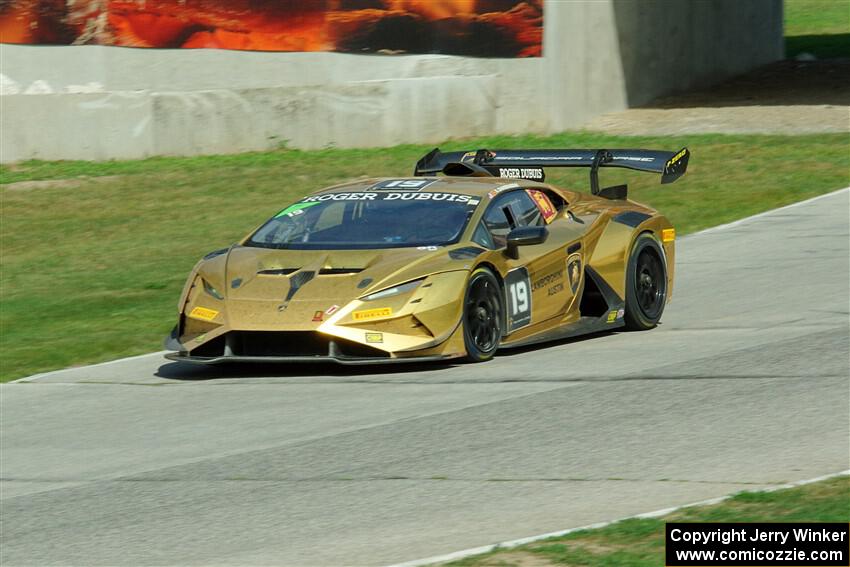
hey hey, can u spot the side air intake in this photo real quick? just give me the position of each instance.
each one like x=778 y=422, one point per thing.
x=593 y=303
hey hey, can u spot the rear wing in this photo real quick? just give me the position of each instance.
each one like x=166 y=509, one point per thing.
x=529 y=164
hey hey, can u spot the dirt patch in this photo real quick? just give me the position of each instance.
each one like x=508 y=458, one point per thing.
x=71 y=183
x=516 y=559
x=784 y=83
x=787 y=97
x=729 y=120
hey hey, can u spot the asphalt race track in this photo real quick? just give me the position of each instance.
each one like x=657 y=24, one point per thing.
x=148 y=462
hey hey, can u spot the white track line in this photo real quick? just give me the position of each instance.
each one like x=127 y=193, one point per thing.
x=107 y=363
x=765 y=213
x=655 y=514
x=35 y=377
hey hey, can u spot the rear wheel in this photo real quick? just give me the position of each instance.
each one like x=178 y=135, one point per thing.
x=482 y=316
x=646 y=284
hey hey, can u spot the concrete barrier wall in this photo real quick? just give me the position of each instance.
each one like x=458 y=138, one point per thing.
x=116 y=103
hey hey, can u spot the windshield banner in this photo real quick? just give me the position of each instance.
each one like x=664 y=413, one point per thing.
x=393 y=196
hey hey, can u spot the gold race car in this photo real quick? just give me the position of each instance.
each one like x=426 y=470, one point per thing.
x=472 y=254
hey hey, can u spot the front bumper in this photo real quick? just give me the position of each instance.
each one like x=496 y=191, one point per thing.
x=288 y=347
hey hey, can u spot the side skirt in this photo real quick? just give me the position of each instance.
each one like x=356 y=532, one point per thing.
x=610 y=319
x=584 y=326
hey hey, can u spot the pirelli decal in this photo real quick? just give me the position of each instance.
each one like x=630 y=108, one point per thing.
x=369 y=314
x=203 y=314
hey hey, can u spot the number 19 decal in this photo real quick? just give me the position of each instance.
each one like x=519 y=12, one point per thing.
x=518 y=288
x=403 y=184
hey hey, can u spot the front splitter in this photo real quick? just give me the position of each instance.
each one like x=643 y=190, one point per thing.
x=348 y=360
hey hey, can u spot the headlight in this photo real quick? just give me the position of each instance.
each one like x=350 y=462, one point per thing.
x=403 y=288
x=211 y=290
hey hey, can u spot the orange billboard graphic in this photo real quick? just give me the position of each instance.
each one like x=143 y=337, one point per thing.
x=478 y=28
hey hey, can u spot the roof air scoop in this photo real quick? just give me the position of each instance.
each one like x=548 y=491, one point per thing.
x=465 y=169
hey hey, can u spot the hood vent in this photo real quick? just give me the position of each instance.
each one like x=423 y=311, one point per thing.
x=339 y=271
x=322 y=272
x=278 y=271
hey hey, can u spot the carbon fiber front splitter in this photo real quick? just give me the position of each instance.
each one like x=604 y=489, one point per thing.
x=350 y=360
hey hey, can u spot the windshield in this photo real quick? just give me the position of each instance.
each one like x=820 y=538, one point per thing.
x=334 y=221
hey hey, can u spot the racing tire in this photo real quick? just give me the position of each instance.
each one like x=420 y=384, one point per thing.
x=482 y=316
x=646 y=284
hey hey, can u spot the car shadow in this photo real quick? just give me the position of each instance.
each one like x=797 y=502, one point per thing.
x=186 y=371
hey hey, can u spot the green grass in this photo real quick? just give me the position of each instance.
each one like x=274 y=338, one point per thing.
x=640 y=542
x=819 y=27
x=92 y=266
x=816 y=17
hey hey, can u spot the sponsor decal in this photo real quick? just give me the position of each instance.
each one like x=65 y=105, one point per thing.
x=374 y=337
x=393 y=196
x=621 y=313
x=668 y=235
x=557 y=288
x=672 y=161
x=296 y=209
x=501 y=188
x=633 y=158
x=451 y=197
x=409 y=184
x=200 y=338
x=468 y=156
x=340 y=197
x=574 y=271
x=518 y=290
x=332 y=309
x=547 y=279
x=531 y=173
x=372 y=313
x=542 y=158
x=612 y=316
x=547 y=209
x=203 y=313
x=318 y=316
x=428 y=248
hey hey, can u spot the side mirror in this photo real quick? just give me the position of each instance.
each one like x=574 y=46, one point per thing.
x=525 y=236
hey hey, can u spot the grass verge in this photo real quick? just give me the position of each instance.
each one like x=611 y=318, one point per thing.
x=94 y=254
x=819 y=27
x=640 y=542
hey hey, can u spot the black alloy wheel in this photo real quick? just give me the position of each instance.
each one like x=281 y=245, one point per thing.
x=646 y=284
x=482 y=316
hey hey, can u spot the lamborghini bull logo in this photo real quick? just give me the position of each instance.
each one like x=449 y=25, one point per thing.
x=574 y=271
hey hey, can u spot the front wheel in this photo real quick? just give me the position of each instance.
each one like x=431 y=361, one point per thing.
x=646 y=284
x=482 y=316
